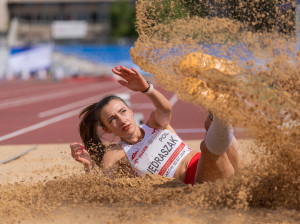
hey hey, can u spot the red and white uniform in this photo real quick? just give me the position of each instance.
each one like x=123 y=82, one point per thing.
x=160 y=152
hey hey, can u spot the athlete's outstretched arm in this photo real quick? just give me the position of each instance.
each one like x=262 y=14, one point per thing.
x=133 y=80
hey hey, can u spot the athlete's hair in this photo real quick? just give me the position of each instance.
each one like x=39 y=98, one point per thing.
x=88 y=128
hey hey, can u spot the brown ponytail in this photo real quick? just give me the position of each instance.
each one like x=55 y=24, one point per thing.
x=88 y=127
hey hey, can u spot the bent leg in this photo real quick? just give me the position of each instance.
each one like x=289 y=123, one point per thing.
x=219 y=157
x=234 y=155
x=212 y=167
x=218 y=136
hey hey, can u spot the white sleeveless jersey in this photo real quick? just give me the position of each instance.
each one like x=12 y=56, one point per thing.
x=160 y=152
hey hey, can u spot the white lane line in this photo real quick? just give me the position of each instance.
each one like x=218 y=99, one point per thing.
x=67 y=107
x=18 y=156
x=40 y=124
x=49 y=121
x=73 y=105
x=63 y=117
x=190 y=130
x=138 y=106
x=173 y=100
x=33 y=99
x=201 y=130
x=20 y=90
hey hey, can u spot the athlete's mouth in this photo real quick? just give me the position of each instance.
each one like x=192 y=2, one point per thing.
x=126 y=127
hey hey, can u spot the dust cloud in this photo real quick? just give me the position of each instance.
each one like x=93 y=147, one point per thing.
x=246 y=75
x=240 y=73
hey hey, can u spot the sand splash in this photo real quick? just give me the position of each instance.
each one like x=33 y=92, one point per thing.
x=261 y=95
x=263 y=98
x=68 y=195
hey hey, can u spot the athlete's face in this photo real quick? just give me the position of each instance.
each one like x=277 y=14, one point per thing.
x=118 y=119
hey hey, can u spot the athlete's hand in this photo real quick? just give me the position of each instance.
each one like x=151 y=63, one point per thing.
x=81 y=155
x=133 y=80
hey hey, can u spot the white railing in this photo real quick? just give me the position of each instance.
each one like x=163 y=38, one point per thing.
x=3 y=57
x=65 y=66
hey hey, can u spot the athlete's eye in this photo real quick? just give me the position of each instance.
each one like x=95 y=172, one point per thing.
x=111 y=119
x=123 y=111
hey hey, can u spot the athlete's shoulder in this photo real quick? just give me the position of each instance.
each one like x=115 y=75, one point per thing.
x=158 y=127
x=169 y=128
x=113 y=154
x=114 y=147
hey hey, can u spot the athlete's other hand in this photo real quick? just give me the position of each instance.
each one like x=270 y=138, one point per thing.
x=80 y=154
x=133 y=80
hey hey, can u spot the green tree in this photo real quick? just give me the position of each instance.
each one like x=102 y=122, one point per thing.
x=168 y=10
x=122 y=19
x=257 y=14
x=196 y=7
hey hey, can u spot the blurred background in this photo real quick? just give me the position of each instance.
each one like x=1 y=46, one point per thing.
x=51 y=39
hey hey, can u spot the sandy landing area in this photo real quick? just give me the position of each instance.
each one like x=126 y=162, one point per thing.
x=47 y=186
x=43 y=163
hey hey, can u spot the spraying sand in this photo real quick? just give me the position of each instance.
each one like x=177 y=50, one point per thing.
x=46 y=186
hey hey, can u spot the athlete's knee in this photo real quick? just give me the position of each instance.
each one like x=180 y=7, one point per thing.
x=218 y=136
x=207 y=123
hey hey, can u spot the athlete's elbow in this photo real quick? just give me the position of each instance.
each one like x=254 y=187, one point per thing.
x=167 y=109
x=164 y=120
x=106 y=166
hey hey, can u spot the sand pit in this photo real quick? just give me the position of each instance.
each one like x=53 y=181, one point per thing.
x=44 y=163
x=48 y=186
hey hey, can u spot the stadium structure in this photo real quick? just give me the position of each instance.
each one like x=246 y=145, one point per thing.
x=59 y=38
x=59 y=31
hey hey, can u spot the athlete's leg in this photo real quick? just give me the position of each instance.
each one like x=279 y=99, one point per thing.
x=215 y=162
x=212 y=167
x=233 y=152
x=234 y=155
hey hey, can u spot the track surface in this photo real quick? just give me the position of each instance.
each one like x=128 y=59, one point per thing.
x=34 y=112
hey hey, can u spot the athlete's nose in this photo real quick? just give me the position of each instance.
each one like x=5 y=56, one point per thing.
x=121 y=120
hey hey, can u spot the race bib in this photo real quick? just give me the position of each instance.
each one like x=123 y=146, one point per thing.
x=160 y=154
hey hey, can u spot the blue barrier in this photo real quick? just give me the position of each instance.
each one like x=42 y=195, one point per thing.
x=107 y=54
x=115 y=55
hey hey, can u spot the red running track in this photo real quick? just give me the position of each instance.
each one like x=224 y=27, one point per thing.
x=34 y=112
